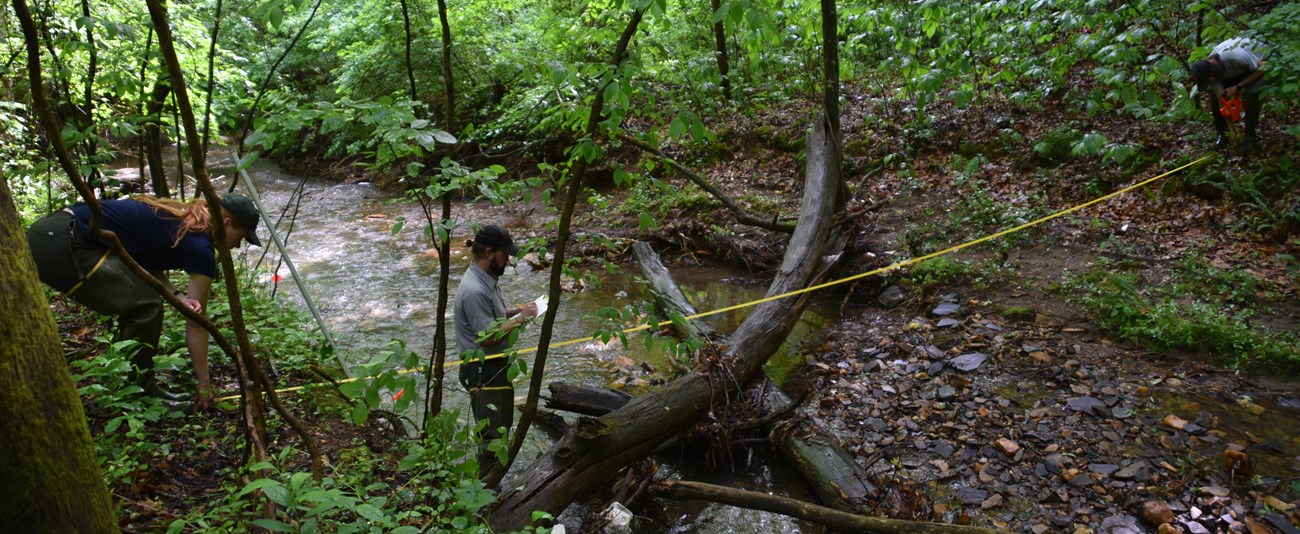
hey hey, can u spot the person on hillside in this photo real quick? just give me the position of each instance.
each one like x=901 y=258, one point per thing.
x=161 y=235
x=483 y=326
x=1235 y=67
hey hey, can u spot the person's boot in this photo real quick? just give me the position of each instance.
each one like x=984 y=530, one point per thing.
x=151 y=387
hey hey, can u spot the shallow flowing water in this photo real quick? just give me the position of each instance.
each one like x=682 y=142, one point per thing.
x=373 y=285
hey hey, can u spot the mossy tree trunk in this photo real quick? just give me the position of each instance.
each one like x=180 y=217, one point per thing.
x=50 y=474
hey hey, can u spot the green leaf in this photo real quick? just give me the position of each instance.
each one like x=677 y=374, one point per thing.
x=369 y=511
x=646 y=221
x=397 y=225
x=444 y=137
x=246 y=161
x=258 y=484
x=360 y=413
x=353 y=389
x=419 y=124
x=273 y=525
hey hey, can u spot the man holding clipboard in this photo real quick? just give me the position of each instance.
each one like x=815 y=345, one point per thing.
x=483 y=326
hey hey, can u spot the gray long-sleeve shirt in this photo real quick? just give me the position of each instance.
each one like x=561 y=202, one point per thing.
x=478 y=303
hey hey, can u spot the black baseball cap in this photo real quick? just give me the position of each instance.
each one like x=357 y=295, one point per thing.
x=246 y=213
x=496 y=237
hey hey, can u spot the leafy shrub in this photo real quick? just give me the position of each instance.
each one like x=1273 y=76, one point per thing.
x=1057 y=145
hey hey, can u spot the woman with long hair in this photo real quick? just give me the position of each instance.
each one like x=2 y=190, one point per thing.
x=161 y=235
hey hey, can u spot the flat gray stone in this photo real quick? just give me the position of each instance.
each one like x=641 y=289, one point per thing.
x=1133 y=471
x=1119 y=524
x=971 y=496
x=1088 y=405
x=969 y=362
x=947 y=308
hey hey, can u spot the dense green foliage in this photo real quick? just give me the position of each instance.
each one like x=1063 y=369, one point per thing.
x=1198 y=307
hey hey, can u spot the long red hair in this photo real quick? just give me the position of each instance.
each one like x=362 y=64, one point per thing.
x=194 y=215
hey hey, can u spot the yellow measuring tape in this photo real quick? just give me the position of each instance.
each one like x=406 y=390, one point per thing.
x=881 y=270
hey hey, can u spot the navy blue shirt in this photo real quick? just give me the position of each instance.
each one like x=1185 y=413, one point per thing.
x=148 y=236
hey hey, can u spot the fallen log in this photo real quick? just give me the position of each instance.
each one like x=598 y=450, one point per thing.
x=597 y=448
x=683 y=490
x=831 y=471
x=584 y=400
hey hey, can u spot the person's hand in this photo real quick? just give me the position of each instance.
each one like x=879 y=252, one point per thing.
x=528 y=310
x=203 y=399
x=192 y=304
x=1230 y=92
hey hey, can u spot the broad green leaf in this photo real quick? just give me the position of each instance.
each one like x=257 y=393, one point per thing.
x=273 y=525
x=246 y=161
x=360 y=413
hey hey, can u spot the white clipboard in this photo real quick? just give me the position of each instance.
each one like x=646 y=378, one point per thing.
x=542 y=302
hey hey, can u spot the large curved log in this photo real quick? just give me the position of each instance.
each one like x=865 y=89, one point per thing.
x=597 y=448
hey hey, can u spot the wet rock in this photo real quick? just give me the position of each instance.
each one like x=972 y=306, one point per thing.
x=971 y=496
x=1119 y=524
x=1104 y=469
x=1166 y=528
x=943 y=448
x=947 y=308
x=1215 y=491
x=946 y=392
x=969 y=362
x=1289 y=403
x=947 y=322
x=1155 y=512
x=936 y=368
x=1088 y=405
x=1281 y=523
x=1134 y=471
x=1195 y=527
x=891 y=296
x=991 y=502
x=1007 y=446
x=1121 y=412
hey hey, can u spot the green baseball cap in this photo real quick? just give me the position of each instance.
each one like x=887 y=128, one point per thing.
x=246 y=213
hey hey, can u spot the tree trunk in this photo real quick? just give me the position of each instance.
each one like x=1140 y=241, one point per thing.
x=575 y=187
x=598 y=447
x=153 y=138
x=720 y=50
x=51 y=475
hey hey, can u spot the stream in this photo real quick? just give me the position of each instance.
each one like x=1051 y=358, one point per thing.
x=373 y=285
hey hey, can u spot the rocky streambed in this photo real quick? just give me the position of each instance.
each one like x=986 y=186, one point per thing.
x=1040 y=425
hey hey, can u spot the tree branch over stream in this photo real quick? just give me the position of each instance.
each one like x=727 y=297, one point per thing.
x=742 y=216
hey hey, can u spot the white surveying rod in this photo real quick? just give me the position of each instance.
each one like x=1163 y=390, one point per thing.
x=293 y=271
